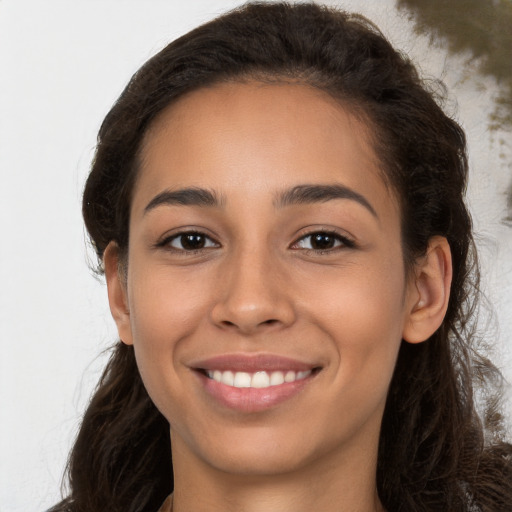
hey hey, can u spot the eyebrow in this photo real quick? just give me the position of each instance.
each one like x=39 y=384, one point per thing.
x=309 y=194
x=301 y=194
x=191 y=196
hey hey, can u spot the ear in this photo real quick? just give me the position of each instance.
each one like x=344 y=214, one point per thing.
x=117 y=293
x=429 y=292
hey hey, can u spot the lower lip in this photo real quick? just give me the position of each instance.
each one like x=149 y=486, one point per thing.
x=252 y=399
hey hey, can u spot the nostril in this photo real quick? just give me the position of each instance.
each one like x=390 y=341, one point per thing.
x=269 y=322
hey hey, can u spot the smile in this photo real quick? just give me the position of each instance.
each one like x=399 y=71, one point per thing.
x=251 y=383
x=260 y=379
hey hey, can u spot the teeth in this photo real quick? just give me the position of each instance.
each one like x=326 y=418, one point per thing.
x=259 y=379
x=289 y=377
x=227 y=378
x=276 y=378
x=242 y=380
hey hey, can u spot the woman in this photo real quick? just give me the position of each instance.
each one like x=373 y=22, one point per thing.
x=277 y=204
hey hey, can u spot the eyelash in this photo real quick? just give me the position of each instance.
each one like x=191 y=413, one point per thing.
x=166 y=243
x=342 y=240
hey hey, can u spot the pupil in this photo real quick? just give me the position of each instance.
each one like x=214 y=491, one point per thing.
x=322 y=241
x=192 y=241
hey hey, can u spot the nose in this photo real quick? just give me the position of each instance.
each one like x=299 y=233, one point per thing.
x=254 y=294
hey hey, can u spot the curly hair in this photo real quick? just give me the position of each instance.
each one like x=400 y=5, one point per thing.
x=435 y=451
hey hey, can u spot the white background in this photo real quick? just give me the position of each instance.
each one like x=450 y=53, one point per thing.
x=62 y=64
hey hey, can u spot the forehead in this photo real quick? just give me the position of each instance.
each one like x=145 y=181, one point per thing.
x=247 y=139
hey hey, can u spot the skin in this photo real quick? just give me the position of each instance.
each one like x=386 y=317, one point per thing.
x=259 y=286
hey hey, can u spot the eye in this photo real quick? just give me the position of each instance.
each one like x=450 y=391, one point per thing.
x=189 y=241
x=322 y=241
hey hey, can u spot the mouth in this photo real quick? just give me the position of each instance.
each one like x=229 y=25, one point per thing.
x=249 y=383
x=259 y=379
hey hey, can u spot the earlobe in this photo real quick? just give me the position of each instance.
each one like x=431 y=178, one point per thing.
x=429 y=293
x=117 y=293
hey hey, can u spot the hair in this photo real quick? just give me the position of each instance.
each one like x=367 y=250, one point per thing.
x=435 y=451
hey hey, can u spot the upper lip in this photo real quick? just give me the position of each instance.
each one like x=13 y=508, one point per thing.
x=251 y=363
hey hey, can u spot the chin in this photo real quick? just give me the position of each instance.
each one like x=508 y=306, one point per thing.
x=261 y=461
x=250 y=450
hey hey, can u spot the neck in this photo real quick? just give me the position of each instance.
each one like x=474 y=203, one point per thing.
x=341 y=482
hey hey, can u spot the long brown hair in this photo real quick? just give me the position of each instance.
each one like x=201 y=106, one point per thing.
x=435 y=452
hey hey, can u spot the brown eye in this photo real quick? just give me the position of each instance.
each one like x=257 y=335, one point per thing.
x=323 y=241
x=191 y=241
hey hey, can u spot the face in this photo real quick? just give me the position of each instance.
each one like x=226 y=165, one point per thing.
x=266 y=296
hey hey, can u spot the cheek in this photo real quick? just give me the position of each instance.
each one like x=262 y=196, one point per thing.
x=164 y=314
x=161 y=315
x=165 y=305
x=363 y=326
x=363 y=314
